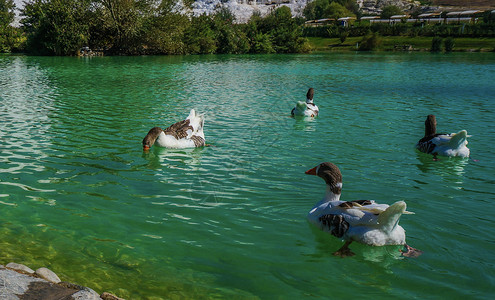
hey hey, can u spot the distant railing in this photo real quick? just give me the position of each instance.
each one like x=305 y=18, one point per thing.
x=469 y=16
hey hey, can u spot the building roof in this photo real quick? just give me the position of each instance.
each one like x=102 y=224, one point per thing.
x=346 y=18
x=429 y=15
x=463 y=13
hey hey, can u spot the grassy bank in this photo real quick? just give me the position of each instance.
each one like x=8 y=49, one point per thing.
x=389 y=43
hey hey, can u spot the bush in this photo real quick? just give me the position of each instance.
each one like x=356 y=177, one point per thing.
x=343 y=35
x=370 y=42
x=389 y=11
x=449 y=44
x=436 y=44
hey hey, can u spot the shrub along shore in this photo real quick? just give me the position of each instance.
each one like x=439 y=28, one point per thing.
x=406 y=43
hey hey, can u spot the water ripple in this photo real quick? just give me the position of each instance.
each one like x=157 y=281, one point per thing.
x=229 y=220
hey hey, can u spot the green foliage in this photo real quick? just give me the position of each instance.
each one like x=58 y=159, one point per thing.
x=436 y=44
x=7 y=13
x=284 y=31
x=262 y=44
x=343 y=36
x=370 y=42
x=334 y=9
x=10 y=37
x=124 y=22
x=55 y=27
x=389 y=11
x=164 y=33
x=199 y=37
x=413 y=29
x=449 y=44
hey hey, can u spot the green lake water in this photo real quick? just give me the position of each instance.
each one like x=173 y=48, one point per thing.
x=79 y=196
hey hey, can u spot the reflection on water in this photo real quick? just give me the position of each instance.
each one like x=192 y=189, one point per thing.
x=228 y=221
x=26 y=103
x=173 y=158
x=304 y=123
x=443 y=166
x=385 y=256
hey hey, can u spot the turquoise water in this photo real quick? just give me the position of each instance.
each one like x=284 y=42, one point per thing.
x=79 y=196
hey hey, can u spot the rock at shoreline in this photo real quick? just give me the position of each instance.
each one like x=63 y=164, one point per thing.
x=20 y=267
x=18 y=282
x=47 y=275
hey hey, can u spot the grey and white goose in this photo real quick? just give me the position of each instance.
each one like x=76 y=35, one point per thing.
x=363 y=221
x=187 y=133
x=434 y=143
x=308 y=108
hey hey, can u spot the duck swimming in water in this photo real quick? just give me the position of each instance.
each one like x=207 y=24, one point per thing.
x=308 y=108
x=187 y=133
x=363 y=221
x=434 y=143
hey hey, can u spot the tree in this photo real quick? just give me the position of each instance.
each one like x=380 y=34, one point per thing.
x=436 y=44
x=7 y=13
x=371 y=41
x=335 y=10
x=320 y=9
x=285 y=32
x=124 y=21
x=449 y=44
x=164 y=30
x=258 y=42
x=390 y=10
x=199 y=38
x=56 y=27
x=8 y=34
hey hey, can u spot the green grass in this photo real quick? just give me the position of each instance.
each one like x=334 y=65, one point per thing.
x=389 y=42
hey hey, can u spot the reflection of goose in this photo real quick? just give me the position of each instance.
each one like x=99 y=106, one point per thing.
x=453 y=168
x=308 y=108
x=184 y=134
x=453 y=144
x=363 y=221
x=167 y=159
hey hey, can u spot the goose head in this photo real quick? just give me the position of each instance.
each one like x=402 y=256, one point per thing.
x=309 y=95
x=151 y=137
x=332 y=176
x=430 y=125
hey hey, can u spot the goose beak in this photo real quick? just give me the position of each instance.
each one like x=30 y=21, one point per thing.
x=311 y=171
x=146 y=148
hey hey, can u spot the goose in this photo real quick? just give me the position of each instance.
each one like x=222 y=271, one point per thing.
x=363 y=221
x=187 y=133
x=307 y=108
x=453 y=144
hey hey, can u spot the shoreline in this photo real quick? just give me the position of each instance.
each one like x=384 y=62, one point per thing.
x=18 y=281
x=402 y=43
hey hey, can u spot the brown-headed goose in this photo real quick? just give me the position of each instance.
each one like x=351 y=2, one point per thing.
x=183 y=134
x=308 y=108
x=453 y=144
x=363 y=221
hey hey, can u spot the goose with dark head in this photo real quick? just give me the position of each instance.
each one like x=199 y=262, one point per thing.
x=187 y=133
x=308 y=108
x=443 y=144
x=363 y=221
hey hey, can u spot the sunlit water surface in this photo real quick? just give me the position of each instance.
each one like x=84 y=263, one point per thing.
x=79 y=196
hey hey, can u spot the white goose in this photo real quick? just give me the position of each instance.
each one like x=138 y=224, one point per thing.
x=308 y=108
x=187 y=133
x=453 y=144
x=363 y=221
